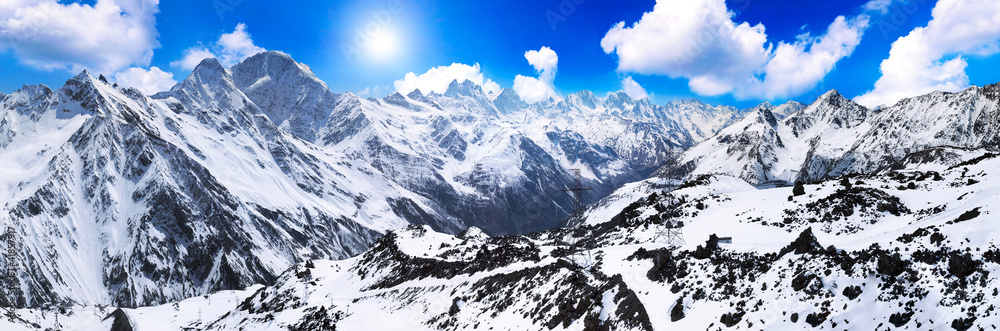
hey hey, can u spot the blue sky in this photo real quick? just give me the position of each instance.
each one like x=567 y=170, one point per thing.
x=664 y=48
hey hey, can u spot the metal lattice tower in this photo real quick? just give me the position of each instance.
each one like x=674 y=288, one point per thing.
x=670 y=233
x=577 y=191
x=578 y=254
x=10 y=277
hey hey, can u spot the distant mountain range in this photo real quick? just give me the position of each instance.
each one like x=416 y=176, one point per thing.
x=835 y=136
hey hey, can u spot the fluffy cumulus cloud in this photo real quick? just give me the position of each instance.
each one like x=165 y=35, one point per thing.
x=697 y=40
x=148 y=81
x=932 y=58
x=108 y=36
x=192 y=57
x=545 y=61
x=532 y=89
x=437 y=79
x=230 y=49
x=633 y=89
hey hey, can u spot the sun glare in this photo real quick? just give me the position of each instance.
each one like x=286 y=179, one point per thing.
x=384 y=45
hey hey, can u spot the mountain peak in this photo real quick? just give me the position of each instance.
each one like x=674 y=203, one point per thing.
x=619 y=100
x=40 y=89
x=415 y=94
x=288 y=92
x=274 y=65
x=587 y=94
x=83 y=76
x=86 y=90
x=466 y=88
x=269 y=56
x=209 y=71
x=397 y=99
x=621 y=94
x=583 y=98
x=278 y=54
x=208 y=65
x=831 y=95
x=509 y=93
x=349 y=96
x=509 y=101
x=786 y=109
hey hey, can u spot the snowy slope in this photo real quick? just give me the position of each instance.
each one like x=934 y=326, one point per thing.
x=878 y=254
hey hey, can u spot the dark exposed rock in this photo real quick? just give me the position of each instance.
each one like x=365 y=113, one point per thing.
x=966 y=216
x=900 y=319
x=711 y=245
x=677 y=311
x=120 y=320
x=852 y=292
x=799 y=189
x=318 y=319
x=809 y=283
x=891 y=265
x=731 y=319
x=963 y=324
x=962 y=265
x=805 y=243
x=815 y=319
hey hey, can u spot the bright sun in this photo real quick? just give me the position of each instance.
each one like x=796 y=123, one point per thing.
x=383 y=45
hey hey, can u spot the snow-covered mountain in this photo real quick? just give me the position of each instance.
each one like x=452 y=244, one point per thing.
x=121 y=198
x=325 y=209
x=835 y=136
x=909 y=248
x=476 y=160
x=233 y=175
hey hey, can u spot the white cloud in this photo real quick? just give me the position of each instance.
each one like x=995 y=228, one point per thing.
x=192 y=57
x=633 y=89
x=697 y=40
x=545 y=62
x=237 y=46
x=148 y=81
x=230 y=49
x=437 y=79
x=491 y=87
x=531 y=89
x=105 y=37
x=931 y=58
x=796 y=68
